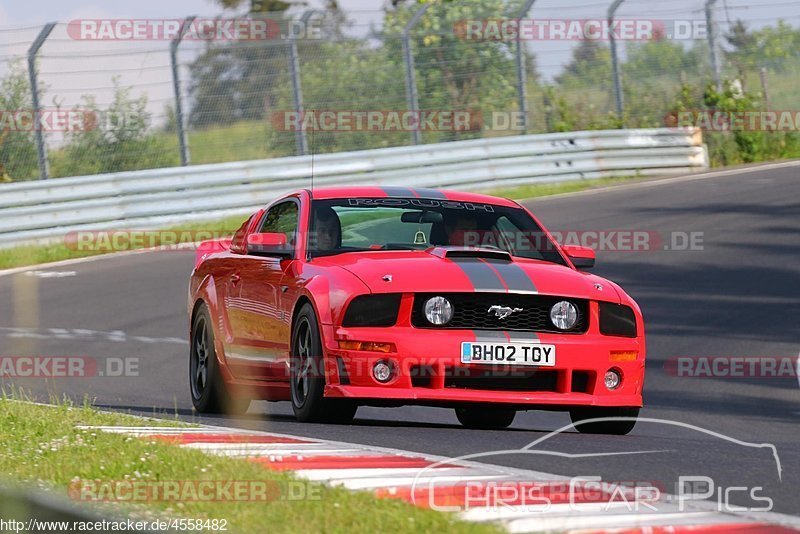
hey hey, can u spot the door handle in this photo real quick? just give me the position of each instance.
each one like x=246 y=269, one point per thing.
x=235 y=279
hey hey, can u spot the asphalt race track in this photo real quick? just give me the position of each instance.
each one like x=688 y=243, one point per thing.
x=738 y=296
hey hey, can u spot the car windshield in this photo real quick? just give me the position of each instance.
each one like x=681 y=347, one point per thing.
x=362 y=224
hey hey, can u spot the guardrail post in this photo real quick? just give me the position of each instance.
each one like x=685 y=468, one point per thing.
x=522 y=99
x=300 y=138
x=41 y=151
x=411 y=79
x=615 y=64
x=712 y=43
x=183 y=142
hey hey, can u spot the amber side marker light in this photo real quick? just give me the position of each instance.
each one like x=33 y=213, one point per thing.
x=623 y=355
x=369 y=346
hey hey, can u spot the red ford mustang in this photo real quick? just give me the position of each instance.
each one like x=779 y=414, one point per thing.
x=386 y=296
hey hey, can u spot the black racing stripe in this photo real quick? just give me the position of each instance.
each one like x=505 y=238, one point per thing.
x=482 y=276
x=489 y=335
x=402 y=192
x=513 y=275
x=517 y=337
x=429 y=193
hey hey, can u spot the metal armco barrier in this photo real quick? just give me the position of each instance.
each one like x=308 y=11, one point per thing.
x=159 y=198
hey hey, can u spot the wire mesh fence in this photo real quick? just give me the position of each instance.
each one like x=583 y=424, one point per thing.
x=118 y=95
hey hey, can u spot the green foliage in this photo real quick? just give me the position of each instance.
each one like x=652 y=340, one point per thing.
x=738 y=144
x=119 y=140
x=453 y=72
x=17 y=148
x=768 y=47
x=237 y=81
x=590 y=67
x=239 y=90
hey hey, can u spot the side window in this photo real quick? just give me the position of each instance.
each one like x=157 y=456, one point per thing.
x=237 y=242
x=282 y=218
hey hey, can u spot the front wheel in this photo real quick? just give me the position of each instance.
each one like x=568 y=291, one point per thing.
x=616 y=421
x=486 y=417
x=307 y=376
x=209 y=393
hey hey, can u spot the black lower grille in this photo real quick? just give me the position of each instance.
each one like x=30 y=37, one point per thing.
x=514 y=380
x=471 y=311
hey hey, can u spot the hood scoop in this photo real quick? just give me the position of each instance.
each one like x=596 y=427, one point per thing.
x=469 y=253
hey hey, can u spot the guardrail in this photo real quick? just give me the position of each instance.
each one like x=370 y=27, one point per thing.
x=46 y=210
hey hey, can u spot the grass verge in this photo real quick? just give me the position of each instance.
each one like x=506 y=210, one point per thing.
x=38 y=254
x=42 y=447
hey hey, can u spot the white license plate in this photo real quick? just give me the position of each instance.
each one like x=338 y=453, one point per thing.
x=535 y=354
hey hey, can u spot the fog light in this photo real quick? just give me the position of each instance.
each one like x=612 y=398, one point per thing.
x=382 y=371
x=612 y=379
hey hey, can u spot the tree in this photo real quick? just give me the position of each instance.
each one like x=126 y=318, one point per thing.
x=259 y=6
x=590 y=66
x=237 y=81
x=455 y=72
x=240 y=80
x=118 y=139
x=658 y=58
x=17 y=148
x=743 y=45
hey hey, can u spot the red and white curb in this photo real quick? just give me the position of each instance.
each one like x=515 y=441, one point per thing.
x=437 y=482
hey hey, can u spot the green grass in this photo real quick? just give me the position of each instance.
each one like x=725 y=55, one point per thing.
x=42 y=447
x=38 y=254
x=524 y=192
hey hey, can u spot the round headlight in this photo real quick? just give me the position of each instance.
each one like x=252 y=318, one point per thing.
x=612 y=379
x=564 y=315
x=382 y=371
x=438 y=310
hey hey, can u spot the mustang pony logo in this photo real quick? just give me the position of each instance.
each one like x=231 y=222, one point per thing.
x=501 y=312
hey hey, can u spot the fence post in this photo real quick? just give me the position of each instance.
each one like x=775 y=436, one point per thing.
x=300 y=138
x=183 y=142
x=411 y=79
x=618 y=98
x=712 y=44
x=41 y=152
x=522 y=100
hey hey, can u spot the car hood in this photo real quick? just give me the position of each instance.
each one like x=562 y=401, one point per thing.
x=423 y=272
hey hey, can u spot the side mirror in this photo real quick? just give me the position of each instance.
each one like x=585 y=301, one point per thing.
x=581 y=257
x=271 y=244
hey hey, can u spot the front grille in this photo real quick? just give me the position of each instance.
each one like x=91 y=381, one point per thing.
x=492 y=380
x=471 y=311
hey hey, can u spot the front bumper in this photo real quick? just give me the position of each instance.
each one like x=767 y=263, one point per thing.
x=428 y=370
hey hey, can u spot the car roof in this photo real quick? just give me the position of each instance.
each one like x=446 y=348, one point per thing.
x=383 y=191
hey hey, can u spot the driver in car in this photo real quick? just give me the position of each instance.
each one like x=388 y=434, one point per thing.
x=327 y=234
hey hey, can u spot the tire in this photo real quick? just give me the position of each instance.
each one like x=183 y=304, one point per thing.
x=486 y=417
x=206 y=385
x=619 y=428
x=307 y=376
